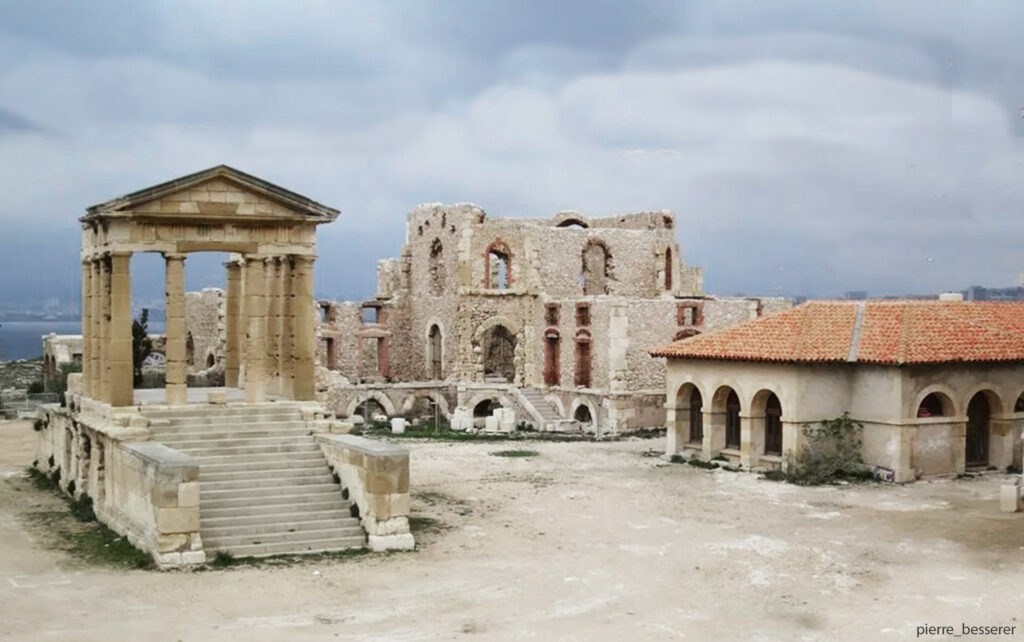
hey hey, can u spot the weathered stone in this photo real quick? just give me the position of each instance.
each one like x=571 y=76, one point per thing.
x=188 y=494
x=177 y=520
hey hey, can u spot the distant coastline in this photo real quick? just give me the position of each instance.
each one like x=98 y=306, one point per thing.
x=24 y=339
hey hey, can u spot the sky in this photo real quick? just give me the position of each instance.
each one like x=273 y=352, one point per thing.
x=807 y=148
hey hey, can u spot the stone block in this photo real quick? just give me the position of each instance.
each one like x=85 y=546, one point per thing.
x=403 y=542
x=165 y=560
x=177 y=520
x=380 y=505
x=164 y=495
x=398 y=425
x=193 y=557
x=188 y=494
x=399 y=504
x=1009 y=498
x=218 y=397
x=171 y=542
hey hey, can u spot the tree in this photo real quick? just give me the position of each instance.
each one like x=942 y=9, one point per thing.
x=142 y=345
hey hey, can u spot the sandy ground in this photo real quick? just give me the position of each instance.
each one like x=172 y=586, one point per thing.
x=583 y=542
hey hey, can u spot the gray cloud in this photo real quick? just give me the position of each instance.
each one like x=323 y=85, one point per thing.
x=805 y=148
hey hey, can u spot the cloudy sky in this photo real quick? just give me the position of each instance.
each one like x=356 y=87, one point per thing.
x=806 y=147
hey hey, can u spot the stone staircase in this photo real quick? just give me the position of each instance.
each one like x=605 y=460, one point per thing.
x=265 y=486
x=547 y=414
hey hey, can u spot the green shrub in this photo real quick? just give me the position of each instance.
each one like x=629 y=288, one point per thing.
x=36 y=387
x=700 y=463
x=832 y=451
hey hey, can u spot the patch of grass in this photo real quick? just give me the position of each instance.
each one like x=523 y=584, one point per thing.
x=774 y=475
x=81 y=508
x=514 y=453
x=1012 y=470
x=40 y=480
x=719 y=457
x=677 y=459
x=419 y=524
x=700 y=463
x=100 y=545
x=224 y=559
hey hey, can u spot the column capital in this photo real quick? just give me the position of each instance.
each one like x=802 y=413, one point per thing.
x=119 y=253
x=175 y=256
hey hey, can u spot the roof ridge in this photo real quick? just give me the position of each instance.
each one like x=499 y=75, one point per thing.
x=858 y=324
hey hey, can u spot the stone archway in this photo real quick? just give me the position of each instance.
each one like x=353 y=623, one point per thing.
x=498 y=351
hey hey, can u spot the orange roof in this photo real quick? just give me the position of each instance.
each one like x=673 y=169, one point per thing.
x=892 y=332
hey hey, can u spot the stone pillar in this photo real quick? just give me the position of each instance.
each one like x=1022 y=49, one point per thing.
x=96 y=336
x=302 y=294
x=86 y=328
x=255 y=340
x=232 y=326
x=674 y=440
x=714 y=434
x=287 y=353
x=751 y=440
x=104 y=374
x=120 y=344
x=274 y=312
x=176 y=373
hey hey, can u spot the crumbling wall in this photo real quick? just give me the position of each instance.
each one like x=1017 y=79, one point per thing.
x=204 y=324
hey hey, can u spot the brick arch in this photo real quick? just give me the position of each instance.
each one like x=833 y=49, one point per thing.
x=578 y=402
x=436 y=397
x=565 y=219
x=376 y=395
x=485 y=327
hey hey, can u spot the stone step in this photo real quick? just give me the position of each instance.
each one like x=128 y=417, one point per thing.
x=272 y=520
x=266 y=479
x=252 y=462
x=277 y=536
x=329 y=504
x=211 y=410
x=304 y=547
x=187 y=433
x=232 y=529
x=263 y=497
x=205 y=454
x=263 y=494
x=284 y=474
x=213 y=444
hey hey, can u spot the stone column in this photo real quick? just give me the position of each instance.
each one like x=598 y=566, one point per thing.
x=104 y=373
x=255 y=340
x=714 y=434
x=176 y=372
x=302 y=294
x=232 y=326
x=274 y=312
x=86 y=327
x=96 y=336
x=121 y=388
x=287 y=331
x=751 y=440
x=673 y=438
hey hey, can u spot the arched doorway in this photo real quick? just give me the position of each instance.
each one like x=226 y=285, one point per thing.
x=552 y=365
x=434 y=352
x=499 y=353
x=732 y=420
x=596 y=269
x=979 y=413
x=772 y=426
x=583 y=416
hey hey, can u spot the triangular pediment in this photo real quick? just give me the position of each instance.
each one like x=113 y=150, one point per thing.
x=220 y=193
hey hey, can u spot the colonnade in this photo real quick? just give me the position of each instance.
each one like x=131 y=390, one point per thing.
x=269 y=328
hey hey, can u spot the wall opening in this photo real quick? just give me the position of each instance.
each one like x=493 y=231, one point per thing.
x=696 y=416
x=210 y=360
x=332 y=357
x=434 y=364
x=437 y=273
x=552 y=368
x=497 y=267
x=935 y=404
x=596 y=272
x=1019 y=405
x=370 y=410
x=583 y=359
x=583 y=416
x=499 y=354
x=190 y=350
x=668 y=268
x=369 y=314
x=772 y=426
x=979 y=413
x=485 y=408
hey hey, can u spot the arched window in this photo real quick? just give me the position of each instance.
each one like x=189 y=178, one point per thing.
x=583 y=415
x=583 y=359
x=935 y=404
x=1019 y=406
x=668 y=268
x=437 y=275
x=596 y=269
x=210 y=360
x=552 y=369
x=497 y=267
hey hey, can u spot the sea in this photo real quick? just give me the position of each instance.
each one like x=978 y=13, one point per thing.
x=24 y=339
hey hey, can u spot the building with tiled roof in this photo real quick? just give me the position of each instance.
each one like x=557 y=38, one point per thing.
x=937 y=385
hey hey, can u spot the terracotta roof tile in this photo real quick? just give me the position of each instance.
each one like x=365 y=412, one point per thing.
x=891 y=332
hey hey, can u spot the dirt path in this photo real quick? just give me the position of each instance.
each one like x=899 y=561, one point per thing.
x=582 y=542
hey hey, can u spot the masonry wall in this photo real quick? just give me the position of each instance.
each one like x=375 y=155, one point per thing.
x=204 y=322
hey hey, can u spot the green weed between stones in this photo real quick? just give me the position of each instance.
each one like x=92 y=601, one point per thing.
x=514 y=453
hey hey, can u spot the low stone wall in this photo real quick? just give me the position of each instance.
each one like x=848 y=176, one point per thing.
x=143 y=490
x=376 y=477
x=155 y=502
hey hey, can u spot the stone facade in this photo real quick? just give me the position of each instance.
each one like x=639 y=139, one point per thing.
x=522 y=313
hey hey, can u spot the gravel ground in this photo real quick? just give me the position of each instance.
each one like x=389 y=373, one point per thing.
x=584 y=541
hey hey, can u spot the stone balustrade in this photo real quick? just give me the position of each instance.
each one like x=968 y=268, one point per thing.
x=376 y=477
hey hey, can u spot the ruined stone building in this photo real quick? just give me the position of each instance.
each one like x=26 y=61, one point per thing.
x=539 y=321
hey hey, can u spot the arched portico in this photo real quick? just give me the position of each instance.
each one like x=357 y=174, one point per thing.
x=269 y=329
